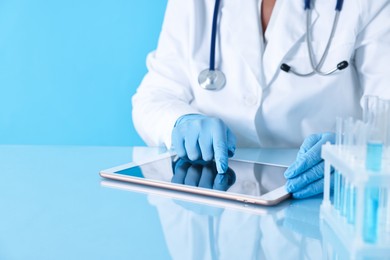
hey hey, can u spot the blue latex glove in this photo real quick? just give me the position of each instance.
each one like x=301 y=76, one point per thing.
x=305 y=177
x=202 y=175
x=199 y=137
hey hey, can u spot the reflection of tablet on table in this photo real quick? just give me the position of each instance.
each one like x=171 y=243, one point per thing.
x=249 y=182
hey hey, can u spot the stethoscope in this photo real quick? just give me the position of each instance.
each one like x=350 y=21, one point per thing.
x=214 y=79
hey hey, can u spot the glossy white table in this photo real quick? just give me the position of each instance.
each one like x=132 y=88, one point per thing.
x=53 y=205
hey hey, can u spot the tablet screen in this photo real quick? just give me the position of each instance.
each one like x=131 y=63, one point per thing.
x=247 y=178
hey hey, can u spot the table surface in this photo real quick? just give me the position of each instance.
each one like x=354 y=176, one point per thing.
x=54 y=205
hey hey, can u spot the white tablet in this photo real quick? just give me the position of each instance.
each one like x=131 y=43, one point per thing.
x=248 y=182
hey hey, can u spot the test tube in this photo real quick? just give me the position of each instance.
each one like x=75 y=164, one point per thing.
x=383 y=228
x=337 y=174
x=369 y=107
x=385 y=118
x=385 y=216
x=360 y=141
x=370 y=223
x=342 y=196
x=349 y=136
x=343 y=185
x=351 y=213
x=339 y=132
x=374 y=155
x=347 y=187
x=373 y=116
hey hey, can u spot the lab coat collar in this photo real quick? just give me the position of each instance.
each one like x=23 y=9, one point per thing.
x=288 y=31
x=244 y=24
x=244 y=31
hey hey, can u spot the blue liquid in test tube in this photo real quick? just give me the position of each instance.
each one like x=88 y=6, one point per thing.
x=347 y=198
x=348 y=209
x=374 y=156
x=342 y=196
x=370 y=225
x=351 y=210
x=336 y=190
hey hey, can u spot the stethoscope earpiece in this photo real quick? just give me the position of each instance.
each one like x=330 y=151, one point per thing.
x=342 y=65
x=285 y=67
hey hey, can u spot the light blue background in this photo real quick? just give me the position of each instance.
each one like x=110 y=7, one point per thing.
x=68 y=69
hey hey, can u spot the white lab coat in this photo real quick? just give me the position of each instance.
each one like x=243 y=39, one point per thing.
x=232 y=234
x=196 y=231
x=262 y=105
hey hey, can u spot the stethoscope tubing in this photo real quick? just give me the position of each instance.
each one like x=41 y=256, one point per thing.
x=339 y=5
x=214 y=35
x=214 y=79
x=316 y=68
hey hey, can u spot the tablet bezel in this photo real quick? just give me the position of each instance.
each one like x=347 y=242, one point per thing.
x=269 y=199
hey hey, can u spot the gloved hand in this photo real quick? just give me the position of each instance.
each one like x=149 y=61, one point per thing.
x=305 y=177
x=199 y=137
x=202 y=175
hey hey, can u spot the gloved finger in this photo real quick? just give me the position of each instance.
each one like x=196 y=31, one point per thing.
x=223 y=182
x=208 y=175
x=312 y=189
x=191 y=145
x=231 y=143
x=310 y=154
x=180 y=163
x=193 y=175
x=220 y=145
x=178 y=142
x=307 y=177
x=180 y=172
x=206 y=146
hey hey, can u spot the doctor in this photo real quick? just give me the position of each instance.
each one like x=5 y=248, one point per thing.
x=252 y=73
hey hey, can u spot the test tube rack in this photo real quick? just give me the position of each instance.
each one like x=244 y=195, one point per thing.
x=351 y=236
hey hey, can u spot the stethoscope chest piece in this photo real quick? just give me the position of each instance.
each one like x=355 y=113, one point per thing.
x=211 y=79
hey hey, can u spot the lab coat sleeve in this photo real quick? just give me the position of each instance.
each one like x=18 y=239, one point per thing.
x=372 y=53
x=165 y=94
